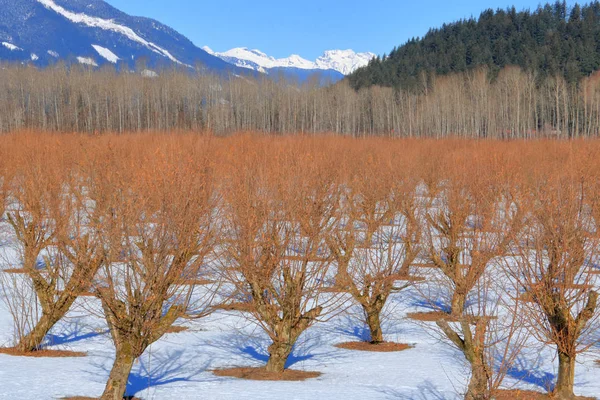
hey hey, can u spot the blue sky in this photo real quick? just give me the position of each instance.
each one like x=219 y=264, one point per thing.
x=308 y=27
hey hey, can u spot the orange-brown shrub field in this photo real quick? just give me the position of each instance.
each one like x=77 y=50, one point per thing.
x=290 y=229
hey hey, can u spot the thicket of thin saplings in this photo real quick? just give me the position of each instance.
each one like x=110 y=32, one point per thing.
x=498 y=239
x=477 y=104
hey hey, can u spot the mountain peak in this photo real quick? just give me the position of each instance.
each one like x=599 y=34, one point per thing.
x=342 y=61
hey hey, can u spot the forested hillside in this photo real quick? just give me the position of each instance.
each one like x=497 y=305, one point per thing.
x=553 y=40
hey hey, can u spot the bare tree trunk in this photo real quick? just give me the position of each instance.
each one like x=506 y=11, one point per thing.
x=459 y=299
x=566 y=377
x=33 y=340
x=478 y=385
x=472 y=344
x=119 y=374
x=278 y=355
x=373 y=315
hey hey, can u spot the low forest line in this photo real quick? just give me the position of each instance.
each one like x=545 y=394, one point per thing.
x=508 y=104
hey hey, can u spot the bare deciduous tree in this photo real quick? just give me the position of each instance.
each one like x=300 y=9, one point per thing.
x=274 y=252
x=472 y=221
x=554 y=269
x=36 y=218
x=159 y=230
x=376 y=238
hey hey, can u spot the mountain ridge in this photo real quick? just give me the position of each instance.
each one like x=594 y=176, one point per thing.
x=71 y=29
x=341 y=61
x=94 y=33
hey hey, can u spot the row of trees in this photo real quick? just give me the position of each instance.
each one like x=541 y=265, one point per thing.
x=499 y=238
x=509 y=104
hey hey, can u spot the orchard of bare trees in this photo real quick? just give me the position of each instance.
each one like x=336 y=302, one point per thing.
x=475 y=104
x=498 y=241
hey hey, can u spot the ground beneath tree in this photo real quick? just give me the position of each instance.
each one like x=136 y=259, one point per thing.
x=385 y=347
x=528 y=395
x=182 y=366
x=260 y=374
x=44 y=353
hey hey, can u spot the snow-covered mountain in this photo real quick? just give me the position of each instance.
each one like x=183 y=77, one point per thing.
x=92 y=32
x=95 y=33
x=342 y=61
x=259 y=61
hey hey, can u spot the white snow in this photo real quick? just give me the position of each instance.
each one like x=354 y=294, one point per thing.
x=53 y=53
x=256 y=59
x=105 y=24
x=106 y=53
x=148 y=73
x=344 y=61
x=87 y=61
x=11 y=46
x=34 y=57
x=179 y=366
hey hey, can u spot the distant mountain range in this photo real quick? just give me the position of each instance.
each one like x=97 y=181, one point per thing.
x=343 y=62
x=92 y=32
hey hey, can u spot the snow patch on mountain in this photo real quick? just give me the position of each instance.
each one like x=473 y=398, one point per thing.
x=147 y=73
x=106 y=53
x=257 y=60
x=109 y=25
x=87 y=61
x=343 y=61
x=11 y=46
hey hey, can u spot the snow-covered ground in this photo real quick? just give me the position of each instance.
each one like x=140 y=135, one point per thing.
x=179 y=365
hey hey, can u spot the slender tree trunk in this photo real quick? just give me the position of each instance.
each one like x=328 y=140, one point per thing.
x=480 y=370
x=278 y=355
x=566 y=377
x=459 y=300
x=119 y=374
x=33 y=340
x=478 y=385
x=374 y=322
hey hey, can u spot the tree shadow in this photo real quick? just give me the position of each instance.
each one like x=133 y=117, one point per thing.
x=255 y=348
x=425 y=391
x=532 y=374
x=352 y=327
x=72 y=333
x=156 y=369
x=261 y=355
x=161 y=369
x=433 y=305
x=434 y=299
